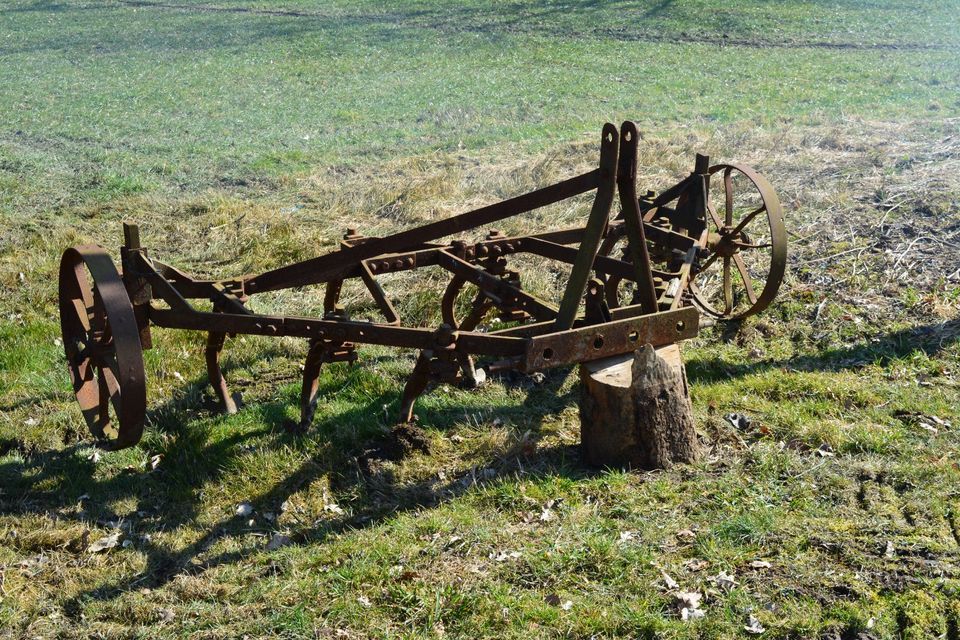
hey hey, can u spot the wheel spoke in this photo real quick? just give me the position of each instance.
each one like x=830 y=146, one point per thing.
x=714 y=217
x=727 y=287
x=98 y=320
x=747 y=280
x=109 y=384
x=728 y=195
x=747 y=245
x=103 y=414
x=707 y=264
x=750 y=216
x=82 y=312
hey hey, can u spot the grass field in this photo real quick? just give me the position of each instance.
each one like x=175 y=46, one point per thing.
x=243 y=134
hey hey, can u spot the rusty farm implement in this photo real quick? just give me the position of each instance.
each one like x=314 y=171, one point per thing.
x=642 y=276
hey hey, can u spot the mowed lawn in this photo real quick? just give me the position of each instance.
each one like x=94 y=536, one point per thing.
x=242 y=135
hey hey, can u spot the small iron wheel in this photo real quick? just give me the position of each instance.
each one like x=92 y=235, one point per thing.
x=102 y=345
x=745 y=245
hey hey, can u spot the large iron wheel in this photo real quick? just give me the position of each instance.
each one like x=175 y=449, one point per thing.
x=746 y=244
x=102 y=345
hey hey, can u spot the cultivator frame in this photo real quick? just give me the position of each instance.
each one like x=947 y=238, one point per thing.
x=107 y=323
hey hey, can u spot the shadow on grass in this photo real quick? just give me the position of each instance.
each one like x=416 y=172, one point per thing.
x=928 y=340
x=341 y=447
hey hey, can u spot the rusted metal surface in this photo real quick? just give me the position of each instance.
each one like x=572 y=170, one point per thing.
x=678 y=252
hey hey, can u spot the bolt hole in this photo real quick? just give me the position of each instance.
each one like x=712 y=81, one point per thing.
x=598 y=342
x=680 y=326
x=633 y=336
x=628 y=136
x=609 y=137
x=547 y=354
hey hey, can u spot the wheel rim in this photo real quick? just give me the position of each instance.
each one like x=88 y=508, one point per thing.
x=102 y=346
x=747 y=245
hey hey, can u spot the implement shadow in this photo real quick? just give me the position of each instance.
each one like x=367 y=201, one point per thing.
x=54 y=481
x=929 y=340
x=354 y=471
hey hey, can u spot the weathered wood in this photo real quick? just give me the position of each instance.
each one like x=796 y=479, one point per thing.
x=635 y=411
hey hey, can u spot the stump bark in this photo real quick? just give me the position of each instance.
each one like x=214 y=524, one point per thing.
x=635 y=411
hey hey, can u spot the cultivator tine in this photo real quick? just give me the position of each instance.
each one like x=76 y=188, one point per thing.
x=215 y=342
x=311 y=378
x=416 y=384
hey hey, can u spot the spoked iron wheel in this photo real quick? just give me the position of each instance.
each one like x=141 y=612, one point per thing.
x=102 y=345
x=747 y=246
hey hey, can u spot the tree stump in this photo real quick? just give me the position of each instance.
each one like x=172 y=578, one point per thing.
x=635 y=411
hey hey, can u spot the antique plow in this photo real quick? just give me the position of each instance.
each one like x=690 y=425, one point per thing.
x=640 y=277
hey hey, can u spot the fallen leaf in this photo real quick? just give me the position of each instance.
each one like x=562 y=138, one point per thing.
x=753 y=626
x=696 y=564
x=94 y=457
x=502 y=556
x=688 y=599
x=155 y=461
x=760 y=564
x=546 y=515
x=725 y=581
x=167 y=615
x=626 y=536
x=688 y=604
x=686 y=534
x=825 y=451
x=333 y=507
x=889 y=550
x=104 y=544
x=738 y=420
x=364 y=601
x=670 y=582
x=691 y=614
x=929 y=427
x=244 y=509
x=567 y=605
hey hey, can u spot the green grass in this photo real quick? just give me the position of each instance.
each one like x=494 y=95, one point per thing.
x=244 y=134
